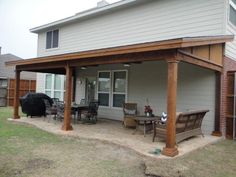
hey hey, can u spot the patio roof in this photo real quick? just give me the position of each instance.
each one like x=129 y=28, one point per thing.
x=158 y=50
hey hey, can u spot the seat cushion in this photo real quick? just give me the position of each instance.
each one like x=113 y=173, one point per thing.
x=129 y=111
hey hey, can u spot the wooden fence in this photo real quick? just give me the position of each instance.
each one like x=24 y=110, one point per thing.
x=25 y=87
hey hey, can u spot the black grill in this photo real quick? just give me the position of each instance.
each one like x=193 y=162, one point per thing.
x=32 y=104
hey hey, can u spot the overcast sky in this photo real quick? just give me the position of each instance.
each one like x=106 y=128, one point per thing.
x=18 y=16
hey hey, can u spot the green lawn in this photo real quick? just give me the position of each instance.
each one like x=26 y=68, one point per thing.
x=26 y=151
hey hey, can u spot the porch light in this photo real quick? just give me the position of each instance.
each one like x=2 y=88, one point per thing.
x=126 y=65
x=83 y=67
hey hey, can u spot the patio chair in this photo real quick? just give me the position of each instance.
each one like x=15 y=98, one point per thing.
x=90 y=115
x=51 y=109
x=188 y=124
x=82 y=101
x=55 y=100
x=60 y=110
x=130 y=111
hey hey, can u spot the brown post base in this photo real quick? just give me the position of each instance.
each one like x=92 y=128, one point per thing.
x=171 y=152
x=216 y=133
x=16 y=117
x=67 y=128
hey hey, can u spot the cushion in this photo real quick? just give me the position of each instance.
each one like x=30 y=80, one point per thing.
x=129 y=111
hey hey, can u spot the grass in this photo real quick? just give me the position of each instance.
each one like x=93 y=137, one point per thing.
x=218 y=160
x=26 y=151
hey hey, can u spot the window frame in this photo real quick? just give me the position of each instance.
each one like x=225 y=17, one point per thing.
x=51 y=47
x=119 y=93
x=53 y=90
x=45 y=81
x=111 y=92
x=233 y=5
x=109 y=103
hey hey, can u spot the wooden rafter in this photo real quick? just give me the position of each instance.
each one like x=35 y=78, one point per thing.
x=193 y=59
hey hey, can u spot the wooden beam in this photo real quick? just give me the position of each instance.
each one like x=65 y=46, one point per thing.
x=217 y=131
x=58 y=67
x=126 y=58
x=67 y=111
x=52 y=71
x=43 y=66
x=16 y=94
x=143 y=47
x=192 y=59
x=170 y=149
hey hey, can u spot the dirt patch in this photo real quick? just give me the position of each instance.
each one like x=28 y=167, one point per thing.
x=38 y=163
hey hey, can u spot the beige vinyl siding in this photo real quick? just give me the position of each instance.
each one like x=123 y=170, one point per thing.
x=40 y=84
x=230 y=47
x=150 y=21
x=196 y=89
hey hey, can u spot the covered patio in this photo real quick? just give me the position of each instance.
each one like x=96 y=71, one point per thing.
x=206 y=52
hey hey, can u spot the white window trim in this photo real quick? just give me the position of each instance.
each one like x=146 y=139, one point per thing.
x=52 y=48
x=111 y=93
x=231 y=3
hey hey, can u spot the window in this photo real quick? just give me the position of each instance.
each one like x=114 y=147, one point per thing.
x=232 y=12
x=3 y=83
x=58 y=86
x=52 y=39
x=104 y=88
x=112 y=88
x=48 y=84
x=54 y=86
x=119 y=88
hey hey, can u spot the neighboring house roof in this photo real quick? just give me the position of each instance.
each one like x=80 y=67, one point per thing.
x=88 y=13
x=9 y=72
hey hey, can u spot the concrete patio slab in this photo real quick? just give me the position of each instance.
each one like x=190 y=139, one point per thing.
x=114 y=132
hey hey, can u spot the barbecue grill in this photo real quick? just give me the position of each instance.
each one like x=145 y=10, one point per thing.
x=33 y=104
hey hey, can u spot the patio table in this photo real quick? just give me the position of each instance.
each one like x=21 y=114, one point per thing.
x=147 y=122
x=78 y=108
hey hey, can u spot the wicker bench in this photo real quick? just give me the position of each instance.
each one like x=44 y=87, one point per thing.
x=188 y=124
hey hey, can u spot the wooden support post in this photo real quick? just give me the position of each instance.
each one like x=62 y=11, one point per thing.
x=217 y=131
x=16 y=94
x=67 y=111
x=170 y=149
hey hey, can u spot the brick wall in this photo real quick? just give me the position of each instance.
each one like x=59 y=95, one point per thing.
x=229 y=65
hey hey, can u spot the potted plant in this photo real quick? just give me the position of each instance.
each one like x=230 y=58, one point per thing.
x=148 y=110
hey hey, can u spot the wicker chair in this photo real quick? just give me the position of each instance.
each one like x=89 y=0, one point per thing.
x=188 y=124
x=130 y=111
